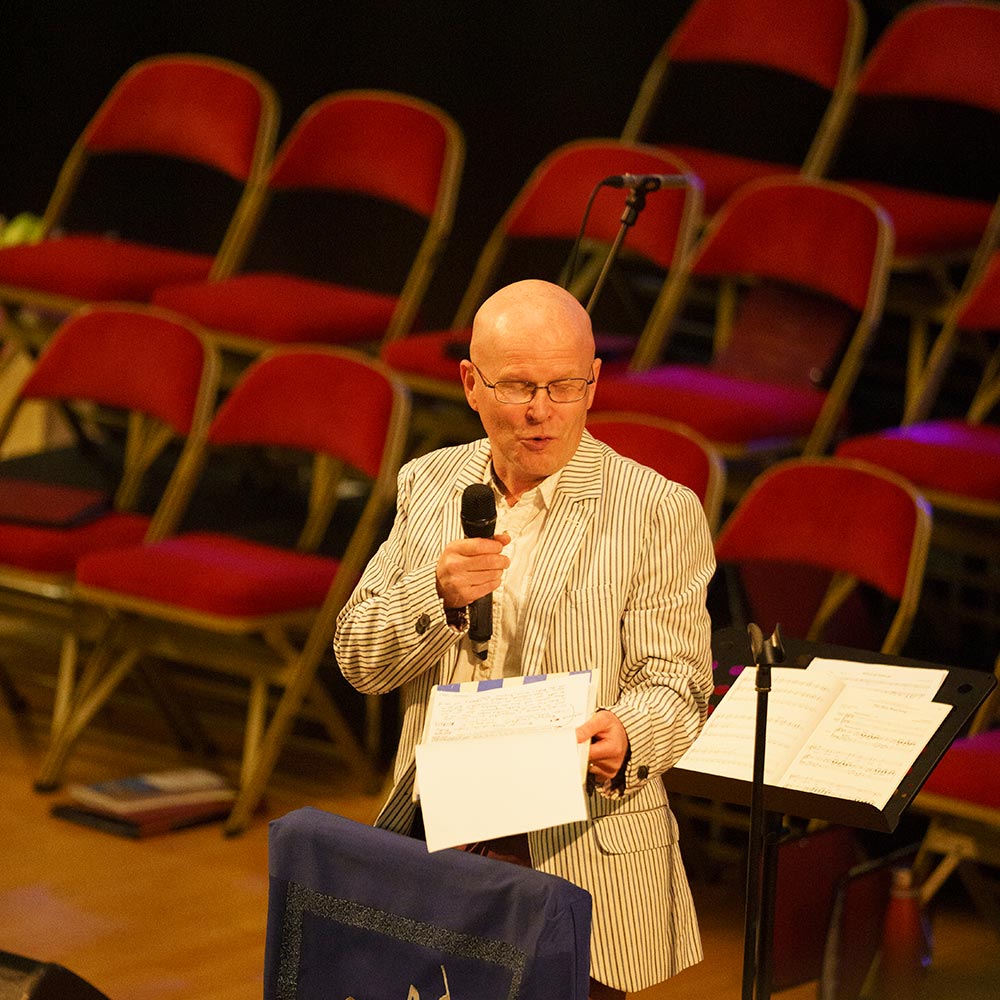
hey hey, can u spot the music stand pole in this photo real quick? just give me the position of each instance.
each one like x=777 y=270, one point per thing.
x=759 y=884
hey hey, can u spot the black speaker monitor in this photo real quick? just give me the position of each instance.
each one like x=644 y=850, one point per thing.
x=26 y=979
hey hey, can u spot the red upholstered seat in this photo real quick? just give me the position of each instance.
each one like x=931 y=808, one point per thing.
x=98 y=268
x=134 y=381
x=956 y=461
x=548 y=213
x=282 y=309
x=919 y=134
x=430 y=354
x=809 y=529
x=726 y=409
x=674 y=450
x=59 y=550
x=969 y=770
x=213 y=573
x=945 y=456
x=928 y=225
x=797 y=269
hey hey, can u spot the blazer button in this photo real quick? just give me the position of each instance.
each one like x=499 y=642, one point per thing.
x=422 y=624
x=642 y=772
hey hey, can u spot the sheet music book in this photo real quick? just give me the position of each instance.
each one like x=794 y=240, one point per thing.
x=838 y=728
x=500 y=756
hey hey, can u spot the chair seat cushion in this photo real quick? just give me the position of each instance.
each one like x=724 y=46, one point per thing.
x=724 y=408
x=930 y=224
x=949 y=456
x=97 y=268
x=431 y=355
x=722 y=173
x=282 y=309
x=969 y=771
x=58 y=550
x=212 y=573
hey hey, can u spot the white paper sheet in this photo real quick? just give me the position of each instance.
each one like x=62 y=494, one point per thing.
x=472 y=790
x=500 y=757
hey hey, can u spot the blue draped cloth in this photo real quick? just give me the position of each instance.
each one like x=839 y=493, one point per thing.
x=361 y=913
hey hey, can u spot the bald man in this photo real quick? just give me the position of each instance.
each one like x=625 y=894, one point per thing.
x=597 y=562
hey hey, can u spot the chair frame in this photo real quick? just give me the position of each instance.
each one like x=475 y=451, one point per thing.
x=262 y=648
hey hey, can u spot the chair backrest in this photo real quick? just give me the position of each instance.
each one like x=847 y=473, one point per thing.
x=746 y=88
x=147 y=363
x=164 y=115
x=389 y=163
x=342 y=410
x=672 y=449
x=819 y=545
x=801 y=268
x=551 y=206
x=924 y=116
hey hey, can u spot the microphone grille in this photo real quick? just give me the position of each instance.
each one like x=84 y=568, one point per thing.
x=478 y=503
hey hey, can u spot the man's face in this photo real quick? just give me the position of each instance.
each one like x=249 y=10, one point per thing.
x=531 y=440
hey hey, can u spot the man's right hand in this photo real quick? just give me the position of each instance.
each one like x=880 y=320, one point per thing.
x=470 y=568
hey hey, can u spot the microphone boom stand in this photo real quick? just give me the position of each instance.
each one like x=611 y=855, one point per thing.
x=635 y=202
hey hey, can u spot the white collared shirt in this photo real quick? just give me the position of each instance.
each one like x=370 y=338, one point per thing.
x=524 y=522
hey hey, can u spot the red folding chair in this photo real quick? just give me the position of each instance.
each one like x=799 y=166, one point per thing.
x=160 y=187
x=252 y=608
x=360 y=201
x=749 y=88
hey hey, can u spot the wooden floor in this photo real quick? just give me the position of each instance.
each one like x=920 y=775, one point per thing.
x=182 y=916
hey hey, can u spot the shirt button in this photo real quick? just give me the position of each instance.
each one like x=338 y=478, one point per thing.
x=422 y=624
x=642 y=772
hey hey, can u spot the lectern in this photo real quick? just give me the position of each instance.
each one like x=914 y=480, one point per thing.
x=358 y=912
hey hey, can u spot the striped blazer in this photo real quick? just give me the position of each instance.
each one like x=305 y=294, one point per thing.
x=619 y=583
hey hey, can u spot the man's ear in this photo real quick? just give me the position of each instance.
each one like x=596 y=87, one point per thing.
x=469 y=383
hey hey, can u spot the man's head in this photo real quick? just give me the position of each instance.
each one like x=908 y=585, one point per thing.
x=537 y=333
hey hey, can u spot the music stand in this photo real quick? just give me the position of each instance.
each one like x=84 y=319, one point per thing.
x=962 y=689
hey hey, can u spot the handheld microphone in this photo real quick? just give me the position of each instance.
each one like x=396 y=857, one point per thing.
x=645 y=182
x=479 y=520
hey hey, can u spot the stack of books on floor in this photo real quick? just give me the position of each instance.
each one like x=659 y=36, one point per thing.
x=148 y=804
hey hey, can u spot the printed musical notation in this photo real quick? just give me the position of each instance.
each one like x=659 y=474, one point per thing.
x=836 y=730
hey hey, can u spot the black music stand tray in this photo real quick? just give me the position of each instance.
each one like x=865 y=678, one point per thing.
x=963 y=689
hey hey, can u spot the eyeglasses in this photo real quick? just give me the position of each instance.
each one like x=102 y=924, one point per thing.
x=562 y=390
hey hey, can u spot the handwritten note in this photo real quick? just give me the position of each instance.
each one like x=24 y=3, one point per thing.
x=498 y=758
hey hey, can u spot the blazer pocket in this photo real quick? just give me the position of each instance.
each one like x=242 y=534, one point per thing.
x=629 y=832
x=585 y=627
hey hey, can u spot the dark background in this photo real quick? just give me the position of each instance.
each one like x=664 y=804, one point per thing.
x=519 y=77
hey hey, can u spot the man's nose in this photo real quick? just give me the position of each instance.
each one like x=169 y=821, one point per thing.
x=539 y=406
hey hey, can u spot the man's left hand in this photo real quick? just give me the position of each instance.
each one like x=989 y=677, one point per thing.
x=608 y=744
